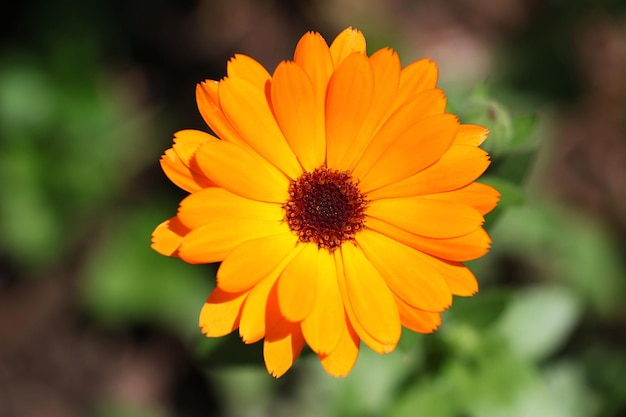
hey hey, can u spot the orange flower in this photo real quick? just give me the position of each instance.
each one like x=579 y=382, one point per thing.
x=339 y=197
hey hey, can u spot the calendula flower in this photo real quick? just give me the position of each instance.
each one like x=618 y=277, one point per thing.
x=339 y=197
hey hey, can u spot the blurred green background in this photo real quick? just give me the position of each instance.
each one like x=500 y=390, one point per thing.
x=94 y=323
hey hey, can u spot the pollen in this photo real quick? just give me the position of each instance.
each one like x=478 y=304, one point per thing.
x=325 y=207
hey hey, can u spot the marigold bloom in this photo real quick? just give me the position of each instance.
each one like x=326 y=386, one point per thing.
x=339 y=197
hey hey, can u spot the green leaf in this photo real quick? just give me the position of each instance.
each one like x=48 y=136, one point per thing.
x=564 y=247
x=425 y=398
x=539 y=320
x=523 y=129
x=488 y=385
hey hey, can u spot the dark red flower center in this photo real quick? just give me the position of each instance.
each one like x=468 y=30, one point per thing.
x=325 y=207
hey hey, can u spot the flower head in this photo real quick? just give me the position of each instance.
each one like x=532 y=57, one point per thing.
x=338 y=195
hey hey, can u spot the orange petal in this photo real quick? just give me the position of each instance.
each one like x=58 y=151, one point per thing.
x=427 y=217
x=370 y=297
x=246 y=107
x=313 y=56
x=407 y=272
x=189 y=179
x=480 y=196
x=352 y=321
x=462 y=248
x=346 y=43
x=459 y=278
x=220 y=314
x=300 y=114
x=211 y=111
x=297 y=285
x=281 y=348
x=252 y=322
x=471 y=135
x=428 y=103
x=386 y=71
x=213 y=203
x=418 y=147
x=341 y=360
x=242 y=172
x=168 y=236
x=417 y=77
x=259 y=311
x=187 y=142
x=248 y=68
x=323 y=327
x=458 y=167
x=217 y=238
x=418 y=320
x=350 y=93
x=253 y=260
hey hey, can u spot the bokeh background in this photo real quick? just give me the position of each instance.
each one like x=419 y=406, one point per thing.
x=93 y=323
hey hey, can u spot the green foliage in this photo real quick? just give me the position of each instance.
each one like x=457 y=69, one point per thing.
x=538 y=321
x=67 y=148
x=566 y=248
